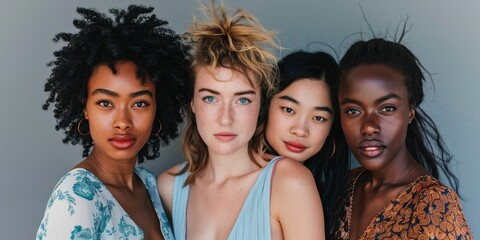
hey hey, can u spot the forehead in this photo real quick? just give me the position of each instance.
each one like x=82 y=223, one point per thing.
x=223 y=78
x=124 y=80
x=308 y=89
x=372 y=79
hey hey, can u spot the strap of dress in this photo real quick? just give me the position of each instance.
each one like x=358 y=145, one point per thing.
x=179 y=208
x=253 y=222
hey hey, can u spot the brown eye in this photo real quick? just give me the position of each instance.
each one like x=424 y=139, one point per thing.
x=141 y=104
x=352 y=112
x=388 y=109
x=288 y=110
x=104 y=103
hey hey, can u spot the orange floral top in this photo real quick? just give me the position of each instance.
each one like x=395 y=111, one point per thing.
x=425 y=209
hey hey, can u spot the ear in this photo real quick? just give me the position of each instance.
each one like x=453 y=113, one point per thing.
x=85 y=114
x=411 y=114
x=192 y=106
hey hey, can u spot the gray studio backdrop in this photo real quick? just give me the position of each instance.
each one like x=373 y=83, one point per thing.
x=445 y=36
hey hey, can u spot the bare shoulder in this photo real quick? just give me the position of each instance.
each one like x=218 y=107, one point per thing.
x=165 y=183
x=289 y=171
x=295 y=196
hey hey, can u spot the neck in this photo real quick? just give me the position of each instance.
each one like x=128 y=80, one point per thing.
x=400 y=172
x=222 y=167
x=112 y=172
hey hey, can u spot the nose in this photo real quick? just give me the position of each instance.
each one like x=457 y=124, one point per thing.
x=370 y=125
x=123 y=120
x=226 y=114
x=300 y=127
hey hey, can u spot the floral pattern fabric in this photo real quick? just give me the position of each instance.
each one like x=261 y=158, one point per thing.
x=81 y=207
x=425 y=209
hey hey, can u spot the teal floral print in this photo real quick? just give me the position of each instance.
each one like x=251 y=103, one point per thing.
x=81 y=207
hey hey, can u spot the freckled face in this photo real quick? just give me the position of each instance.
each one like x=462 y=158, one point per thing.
x=226 y=108
x=375 y=113
x=299 y=119
x=120 y=111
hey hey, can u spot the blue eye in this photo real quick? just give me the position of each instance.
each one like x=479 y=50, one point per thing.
x=244 y=101
x=209 y=99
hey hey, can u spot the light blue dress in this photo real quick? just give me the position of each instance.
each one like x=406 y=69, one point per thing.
x=253 y=221
x=81 y=207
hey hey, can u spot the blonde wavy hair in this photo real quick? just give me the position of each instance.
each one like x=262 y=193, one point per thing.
x=239 y=42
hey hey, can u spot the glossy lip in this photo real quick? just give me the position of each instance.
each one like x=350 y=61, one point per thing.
x=122 y=142
x=225 y=136
x=372 y=148
x=295 y=147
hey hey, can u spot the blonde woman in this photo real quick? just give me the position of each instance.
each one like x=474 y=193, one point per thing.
x=228 y=189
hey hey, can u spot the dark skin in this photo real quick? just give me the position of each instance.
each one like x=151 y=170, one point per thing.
x=121 y=110
x=375 y=114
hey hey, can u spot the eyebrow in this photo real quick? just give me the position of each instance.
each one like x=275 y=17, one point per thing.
x=218 y=93
x=293 y=100
x=114 y=94
x=379 y=100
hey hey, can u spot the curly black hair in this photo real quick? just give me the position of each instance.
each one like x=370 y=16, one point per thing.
x=136 y=35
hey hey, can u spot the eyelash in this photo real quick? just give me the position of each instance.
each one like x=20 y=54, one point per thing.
x=351 y=110
x=143 y=104
x=291 y=112
x=108 y=104
x=101 y=103
x=241 y=99
x=392 y=109
x=205 y=99
x=319 y=119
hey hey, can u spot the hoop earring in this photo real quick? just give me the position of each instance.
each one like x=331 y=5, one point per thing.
x=159 y=128
x=78 y=128
x=334 y=148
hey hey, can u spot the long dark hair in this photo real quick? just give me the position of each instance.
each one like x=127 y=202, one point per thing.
x=423 y=138
x=329 y=170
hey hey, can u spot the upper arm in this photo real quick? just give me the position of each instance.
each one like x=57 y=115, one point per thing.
x=67 y=215
x=441 y=209
x=296 y=202
x=165 y=183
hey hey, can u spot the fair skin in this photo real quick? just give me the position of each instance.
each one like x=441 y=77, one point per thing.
x=226 y=107
x=120 y=111
x=299 y=119
x=375 y=113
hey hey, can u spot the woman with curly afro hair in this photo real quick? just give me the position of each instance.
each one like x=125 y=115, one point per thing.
x=228 y=188
x=116 y=88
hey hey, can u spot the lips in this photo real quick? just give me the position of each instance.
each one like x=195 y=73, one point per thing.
x=122 y=142
x=295 y=147
x=225 y=136
x=372 y=148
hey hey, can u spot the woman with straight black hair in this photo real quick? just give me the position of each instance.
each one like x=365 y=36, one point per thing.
x=303 y=122
x=395 y=194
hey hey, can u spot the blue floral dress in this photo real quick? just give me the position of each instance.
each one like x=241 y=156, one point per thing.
x=81 y=207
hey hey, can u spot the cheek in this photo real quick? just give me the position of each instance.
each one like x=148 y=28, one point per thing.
x=319 y=135
x=349 y=128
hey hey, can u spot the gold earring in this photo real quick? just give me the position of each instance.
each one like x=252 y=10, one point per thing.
x=159 y=128
x=334 y=148
x=78 y=128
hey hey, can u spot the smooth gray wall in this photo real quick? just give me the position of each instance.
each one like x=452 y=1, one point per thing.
x=445 y=37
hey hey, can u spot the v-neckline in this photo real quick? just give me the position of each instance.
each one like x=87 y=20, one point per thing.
x=272 y=161
x=390 y=202
x=118 y=204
